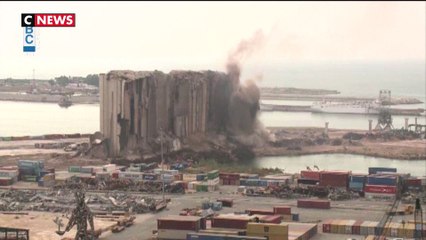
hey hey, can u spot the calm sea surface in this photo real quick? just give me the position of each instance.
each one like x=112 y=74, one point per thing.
x=355 y=163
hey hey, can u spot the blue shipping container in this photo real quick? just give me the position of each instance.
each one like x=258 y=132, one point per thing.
x=243 y=182
x=358 y=179
x=382 y=180
x=356 y=186
x=201 y=177
x=374 y=170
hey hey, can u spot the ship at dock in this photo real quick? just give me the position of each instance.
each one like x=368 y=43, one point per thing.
x=347 y=107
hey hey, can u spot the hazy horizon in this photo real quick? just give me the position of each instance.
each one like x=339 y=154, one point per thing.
x=199 y=36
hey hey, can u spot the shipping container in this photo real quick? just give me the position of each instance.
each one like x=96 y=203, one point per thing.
x=188 y=223
x=269 y=230
x=338 y=179
x=231 y=221
x=271 y=219
x=171 y=234
x=248 y=176
x=374 y=170
x=226 y=202
x=229 y=176
x=380 y=189
x=314 y=175
x=282 y=210
x=326 y=226
x=295 y=217
x=259 y=212
x=6 y=181
x=189 y=177
x=213 y=174
x=307 y=181
x=358 y=178
x=9 y=173
x=382 y=180
x=201 y=177
x=313 y=203
x=74 y=168
x=152 y=176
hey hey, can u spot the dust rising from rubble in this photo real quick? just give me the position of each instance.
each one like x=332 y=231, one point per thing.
x=244 y=102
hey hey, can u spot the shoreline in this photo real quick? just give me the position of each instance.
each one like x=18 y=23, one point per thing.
x=297 y=142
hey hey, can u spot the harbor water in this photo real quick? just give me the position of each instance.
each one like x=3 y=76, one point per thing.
x=354 y=163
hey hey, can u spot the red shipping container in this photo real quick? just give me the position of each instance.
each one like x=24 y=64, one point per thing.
x=271 y=219
x=326 y=226
x=259 y=212
x=9 y=168
x=229 y=176
x=334 y=179
x=380 y=189
x=282 y=210
x=356 y=228
x=315 y=175
x=179 y=223
x=413 y=182
x=309 y=203
x=235 y=223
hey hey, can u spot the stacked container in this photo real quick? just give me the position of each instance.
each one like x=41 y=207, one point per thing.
x=381 y=186
x=336 y=179
x=177 y=227
x=8 y=175
x=271 y=231
x=231 y=221
x=229 y=179
x=357 y=182
x=29 y=170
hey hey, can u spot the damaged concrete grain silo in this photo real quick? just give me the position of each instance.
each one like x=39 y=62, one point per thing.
x=136 y=105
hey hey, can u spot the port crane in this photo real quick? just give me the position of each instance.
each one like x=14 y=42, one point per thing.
x=418 y=220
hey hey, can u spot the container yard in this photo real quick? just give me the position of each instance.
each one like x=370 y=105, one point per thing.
x=224 y=209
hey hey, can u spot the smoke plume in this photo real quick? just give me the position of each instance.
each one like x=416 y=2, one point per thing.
x=244 y=102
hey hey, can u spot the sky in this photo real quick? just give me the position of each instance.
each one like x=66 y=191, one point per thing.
x=200 y=35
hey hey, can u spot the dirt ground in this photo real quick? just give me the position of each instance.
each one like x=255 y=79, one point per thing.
x=396 y=149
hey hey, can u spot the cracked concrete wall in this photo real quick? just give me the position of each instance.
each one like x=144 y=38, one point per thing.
x=134 y=105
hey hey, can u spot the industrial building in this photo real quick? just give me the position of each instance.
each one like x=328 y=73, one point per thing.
x=136 y=106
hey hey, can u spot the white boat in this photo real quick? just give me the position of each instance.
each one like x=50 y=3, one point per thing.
x=346 y=107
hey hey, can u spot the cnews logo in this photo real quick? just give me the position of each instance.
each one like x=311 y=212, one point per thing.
x=31 y=20
x=48 y=20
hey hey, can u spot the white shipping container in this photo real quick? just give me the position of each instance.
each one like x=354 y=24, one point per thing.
x=385 y=196
x=9 y=173
x=131 y=175
x=172 y=234
x=189 y=177
x=213 y=181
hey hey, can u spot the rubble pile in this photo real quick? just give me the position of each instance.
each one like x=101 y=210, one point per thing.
x=63 y=201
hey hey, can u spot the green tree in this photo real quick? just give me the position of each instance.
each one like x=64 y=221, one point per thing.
x=92 y=79
x=62 y=80
x=51 y=82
